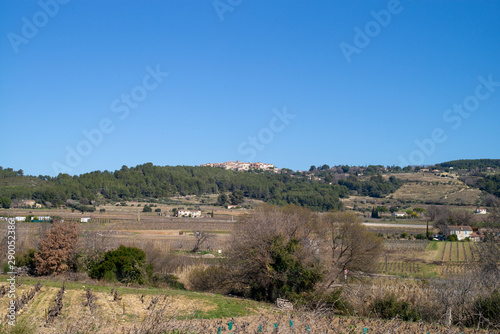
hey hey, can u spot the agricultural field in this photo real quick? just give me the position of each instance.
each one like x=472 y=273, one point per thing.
x=82 y=308
x=116 y=307
x=431 y=188
x=430 y=259
x=409 y=258
x=460 y=251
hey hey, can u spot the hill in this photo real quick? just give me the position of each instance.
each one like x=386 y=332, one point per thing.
x=470 y=164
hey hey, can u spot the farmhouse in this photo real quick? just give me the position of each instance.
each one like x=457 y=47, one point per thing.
x=188 y=213
x=399 y=214
x=461 y=232
x=480 y=211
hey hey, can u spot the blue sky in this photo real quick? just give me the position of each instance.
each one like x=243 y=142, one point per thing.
x=294 y=83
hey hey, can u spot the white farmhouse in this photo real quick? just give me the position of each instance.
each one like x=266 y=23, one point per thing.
x=188 y=213
x=480 y=211
x=461 y=232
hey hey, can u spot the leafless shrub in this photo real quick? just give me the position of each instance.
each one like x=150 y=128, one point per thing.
x=56 y=309
x=90 y=300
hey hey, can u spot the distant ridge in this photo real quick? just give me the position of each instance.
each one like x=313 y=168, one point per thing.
x=470 y=163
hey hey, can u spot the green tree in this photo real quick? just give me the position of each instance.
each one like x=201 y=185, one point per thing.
x=222 y=200
x=382 y=209
x=419 y=211
x=236 y=197
x=126 y=264
x=5 y=202
x=147 y=208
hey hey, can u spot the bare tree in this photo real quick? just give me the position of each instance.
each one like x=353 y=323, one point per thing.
x=200 y=239
x=349 y=245
x=96 y=241
x=434 y=212
x=266 y=245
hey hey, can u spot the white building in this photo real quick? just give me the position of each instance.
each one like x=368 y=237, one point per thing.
x=480 y=211
x=188 y=213
x=461 y=232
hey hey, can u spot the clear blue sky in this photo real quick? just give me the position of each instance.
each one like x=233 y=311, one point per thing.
x=352 y=98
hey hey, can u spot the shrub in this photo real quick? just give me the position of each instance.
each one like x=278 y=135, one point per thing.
x=171 y=280
x=488 y=310
x=26 y=259
x=319 y=300
x=125 y=264
x=389 y=308
x=147 y=208
x=207 y=279
x=157 y=210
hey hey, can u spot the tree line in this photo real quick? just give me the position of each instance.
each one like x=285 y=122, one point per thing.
x=149 y=181
x=470 y=164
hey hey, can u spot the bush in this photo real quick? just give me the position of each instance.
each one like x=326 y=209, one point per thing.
x=389 y=308
x=487 y=311
x=171 y=280
x=208 y=279
x=157 y=210
x=26 y=259
x=125 y=264
x=319 y=300
x=147 y=208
